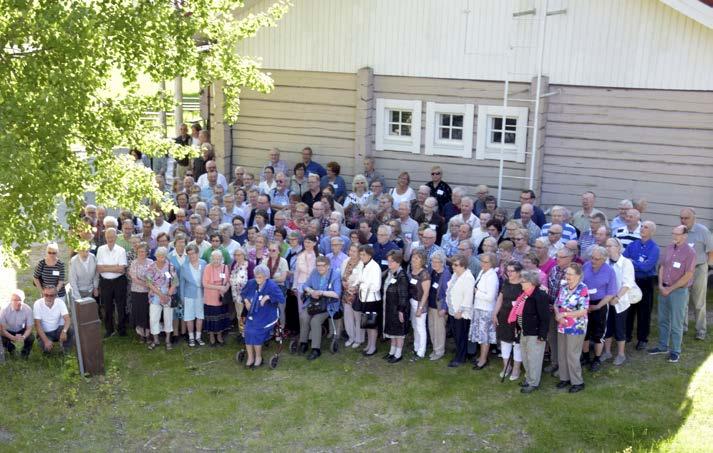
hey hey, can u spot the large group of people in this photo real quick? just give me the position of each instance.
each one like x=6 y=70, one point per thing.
x=300 y=248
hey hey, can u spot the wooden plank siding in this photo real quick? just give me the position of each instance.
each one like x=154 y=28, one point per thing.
x=623 y=143
x=305 y=109
x=457 y=171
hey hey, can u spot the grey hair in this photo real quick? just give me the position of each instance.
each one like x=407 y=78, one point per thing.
x=651 y=225
x=386 y=229
x=599 y=249
x=492 y=259
x=216 y=253
x=262 y=270
x=532 y=276
x=163 y=251
x=337 y=239
x=226 y=228
x=110 y=221
x=459 y=190
x=455 y=221
x=626 y=203
x=440 y=256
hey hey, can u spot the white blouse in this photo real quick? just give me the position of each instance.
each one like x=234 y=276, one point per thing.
x=459 y=294
x=368 y=280
x=486 y=292
x=624 y=270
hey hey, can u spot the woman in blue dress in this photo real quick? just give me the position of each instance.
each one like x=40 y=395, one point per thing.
x=262 y=298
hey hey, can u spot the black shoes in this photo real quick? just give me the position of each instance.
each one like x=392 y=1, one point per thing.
x=314 y=354
x=563 y=384
x=395 y=359
x=641 y=345
x=479 y=367
x=303 y=348
x=528 y=389
x=387 y=356
x=368 y=354
x=454 y=364
x=596 y=365
x=576 y=388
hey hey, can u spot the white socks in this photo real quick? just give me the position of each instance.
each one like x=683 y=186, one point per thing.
x=392 y=351
x=397 y=352
x=191 y=336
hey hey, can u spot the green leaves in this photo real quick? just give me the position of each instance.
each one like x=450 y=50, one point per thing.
x=56 y=60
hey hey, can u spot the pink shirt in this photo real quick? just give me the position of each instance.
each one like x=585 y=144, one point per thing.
x=676 y=262
x=212 y=276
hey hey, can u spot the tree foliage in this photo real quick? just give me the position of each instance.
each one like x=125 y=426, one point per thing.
x=56 y=59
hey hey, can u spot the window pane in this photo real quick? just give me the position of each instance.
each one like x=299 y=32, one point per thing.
x=511 y=121
x=497 y=123
x=405 y=117
x=510 y=138
x=496 y=137
x=445 y=120
x=394 y=129
x=406 y=131
x=395 y=116
x=444 y=133
x=458 y=120
x=457 y=134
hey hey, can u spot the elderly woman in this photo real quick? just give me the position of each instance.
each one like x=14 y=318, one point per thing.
x=619 y=304
x=352 y=318
x=50 y=270
x=531 y=312
x=602 y=287
x=83 y=275
x=450 y=240
x=522 y=248
x=359 y=194
x=216 y=282
x=437 y=307
x=482 y=329
x=333 y=180
x=459 y=298
x=298 y=182
x=259 y=252
x=177 y=257
x=191 y=291
x=324 y=283
x=139 y=299
x=509 y=345
x=240 y=272
x=570 y=311
x=226 y=232
x=402 y=191
x=262 y=298
x=395 y=294
x=532 y=262
x=162 y=281
x=368 y=282
x=268 y=183
x=419 y=285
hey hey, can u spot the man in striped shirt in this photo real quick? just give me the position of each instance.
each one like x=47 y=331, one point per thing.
x=569 y=233
x=632 y=230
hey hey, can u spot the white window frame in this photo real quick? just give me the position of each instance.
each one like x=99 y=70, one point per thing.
x=386 y=142
x=485 y=149
x=435 y=145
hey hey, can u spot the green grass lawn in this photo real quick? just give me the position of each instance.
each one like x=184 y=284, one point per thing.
x=200 y=399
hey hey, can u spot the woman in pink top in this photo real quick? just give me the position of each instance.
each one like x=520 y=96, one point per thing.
x=216 y=282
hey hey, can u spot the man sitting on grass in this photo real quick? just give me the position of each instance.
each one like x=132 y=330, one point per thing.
x=52 y=321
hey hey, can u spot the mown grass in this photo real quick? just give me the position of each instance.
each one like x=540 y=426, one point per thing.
x=200 y=399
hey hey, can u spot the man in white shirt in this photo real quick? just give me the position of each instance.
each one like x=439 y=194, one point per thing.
x=52 y=321
x=276 y=163
x=111 y=265
x=211 y=167
x=466 y=213
x=160 y=226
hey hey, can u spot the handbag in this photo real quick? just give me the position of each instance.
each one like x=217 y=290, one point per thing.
x=175 y=301
x=317 y=306
x=369 y=320
x=634 y=295
x=227 y=297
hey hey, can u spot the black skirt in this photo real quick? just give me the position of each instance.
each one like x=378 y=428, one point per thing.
x=505 y=331
x=140 y=310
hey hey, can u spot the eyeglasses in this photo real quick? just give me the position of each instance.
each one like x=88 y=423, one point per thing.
x=519 y=239
x=553 y=233
x=274 y=250
x=435 y=173
x=51 y=253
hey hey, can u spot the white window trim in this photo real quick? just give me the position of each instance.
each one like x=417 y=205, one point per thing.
x=386 y=142
x=486 y=150
x=455 y=148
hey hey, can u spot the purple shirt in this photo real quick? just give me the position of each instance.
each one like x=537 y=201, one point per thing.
x=601 y=283
x=676 y=262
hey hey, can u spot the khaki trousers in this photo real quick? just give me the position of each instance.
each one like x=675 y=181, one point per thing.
x=437 y=331
x=533 y=352
x=568 y=354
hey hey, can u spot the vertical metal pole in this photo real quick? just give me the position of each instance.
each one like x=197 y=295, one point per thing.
x=536 y=122
x=502 y=135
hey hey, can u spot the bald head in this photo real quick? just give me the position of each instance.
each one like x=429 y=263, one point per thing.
x=688 y=217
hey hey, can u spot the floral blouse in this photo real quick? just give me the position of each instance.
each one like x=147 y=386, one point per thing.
x=238 y=279
x=139 y=274
x=569 y=301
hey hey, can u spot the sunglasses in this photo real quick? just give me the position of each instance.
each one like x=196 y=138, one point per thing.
x=51 y=253
x=435 y=173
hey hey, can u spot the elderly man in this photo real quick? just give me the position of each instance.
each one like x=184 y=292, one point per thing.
x=371 y=174
x=600 y=279
x=581 y=218
x=332 y=231
x=528 y=197
x=559 y=214
x=200 y=240
x=237 y=182
x=555 y=275
x=429 y=244
x=314 y=193
x=600 y=238
x=554 y=239
x=16 y=321
x=632 y=230
x=452 y=208
x=700 y=239
x=52 y=321
x=466 y=248
x=276 y=163
x=280 y=195
x=533 y=231
x=480 y=233
x=439 y=189
x=310 y=165
x=210 y=167
x=587 y=239
x=336 y=255
x=409 y=227
x=376 y=189
x=676 y=271
x=430 y=216
x=183 y=139
x=644 y=255
x=466 y=213
x=263 y=203
x=383 y=246
x=417 y=203
x=482 y=192
x=229 y=210
x=111 y=265
x=620 y=220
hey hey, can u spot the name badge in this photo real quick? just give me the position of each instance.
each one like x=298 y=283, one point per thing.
x=167 y=274
x=439 y=192
x=384 y=262
x=93 y=247
x=641 y=259
x=334 y=184
x=592 y=290
x=435 y=285
x=392 y=282
x=563 y=282
x=55 y=273
x=222 y=275
x=432 y=226
x=414 y=281
x=676 y=265
x=414 y=244
x=407 y=235
x=691 y=244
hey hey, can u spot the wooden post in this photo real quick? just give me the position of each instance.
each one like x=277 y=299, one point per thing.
x=363 y=121
x=220 y=131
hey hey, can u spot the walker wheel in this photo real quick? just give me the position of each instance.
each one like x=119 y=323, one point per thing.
x=274 y=361
x=334 y=347
x=240 y=356
x=293 y=347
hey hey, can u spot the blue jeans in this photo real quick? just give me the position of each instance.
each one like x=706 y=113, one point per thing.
x=672 y=314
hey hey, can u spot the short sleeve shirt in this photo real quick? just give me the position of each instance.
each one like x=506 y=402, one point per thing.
x=16 y=320
x=600 y=283
x=51 y=318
